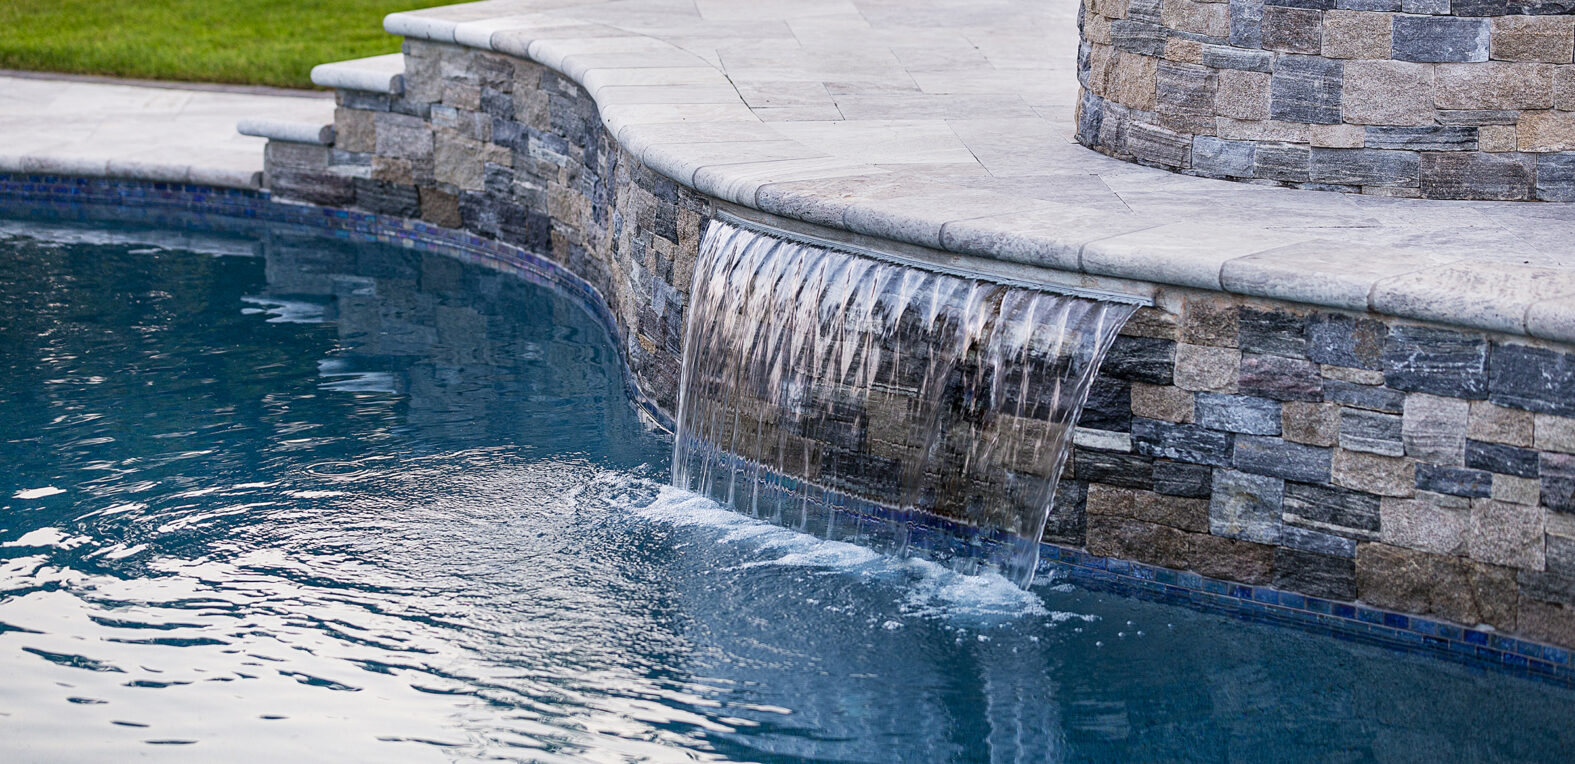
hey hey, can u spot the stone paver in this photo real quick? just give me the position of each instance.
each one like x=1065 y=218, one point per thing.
x=103 y=127
x=949 y=123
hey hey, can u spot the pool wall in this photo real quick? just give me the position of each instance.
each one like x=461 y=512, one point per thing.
x=1339 y=454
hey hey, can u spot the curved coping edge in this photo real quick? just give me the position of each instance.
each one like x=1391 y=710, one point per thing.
x=1259 y=262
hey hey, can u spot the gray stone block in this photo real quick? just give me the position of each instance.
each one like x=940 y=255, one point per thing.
x=1432 y=7
x=1246 y=507
x=1555 y=177
x=1146 y=11
x=1221 y=158
x=1541 y=7
x=1264 y=455
x=1371 y=431
x=1340 y=340
x=1272 y=332
x=1227 y=57
x=1306 y=89
x=1333 y=509
x=1381 y=6
x=1281 y=161
x=1370 y=397
x=1479 y=7
x=1246 y=23
x=1427 y=138
x=1193 y=481
x=1366 y=167
x=1471 y=175
x=1319 y=575
x=1115 y=468
x=1442 y=39
x=1182 y=442
x=1455 y=481
x=1435 y=428
x=1237 y=413
x=1534 y=379
x=1502 y=459
x=1155 y=145
x=1317 y=542
x=1184 y=97
x=1558 y=482
x=1561 y=556
x=1140 y=359
x=1280 y=378
x=1428 y=359
x=1134 y=36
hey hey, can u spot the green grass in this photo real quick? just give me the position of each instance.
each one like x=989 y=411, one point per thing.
x=252 y=42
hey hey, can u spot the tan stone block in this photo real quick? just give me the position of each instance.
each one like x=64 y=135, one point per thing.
x=1544 y=131
x=1207 y=369
x=1549 y=39
x=1554 y=433
x=1493 y=85
x=1183 y=50
x=1498 y=424
x=462 y=95
x=1163 y=402
x=1260 y=130
x=457 y=161
x=1134 y=82
x=1356 y=34
x=1101 y=68
x=1339 y=137
x=1496 y=138
x=1210 y=321
x=1154 y=323
x=1383 y=475
x=1310 y=423
x=1564 y=88
x=1422 y=525
x=1348 y=374
x=1517 y=490
x=1387 y=93
x=391 y=170
x=1211 y=19
x=1113 y=9
x=1430 y=584
x=1502 y=533
x=1096 y=29
x=1546 y=621
x=355 y=130
x=1173 y=511
x=1242 y=95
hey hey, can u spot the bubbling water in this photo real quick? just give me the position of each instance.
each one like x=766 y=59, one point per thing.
x=903 y=409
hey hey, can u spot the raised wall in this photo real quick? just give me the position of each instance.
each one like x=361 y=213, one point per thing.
x=1461 y=99
x=1343 y=456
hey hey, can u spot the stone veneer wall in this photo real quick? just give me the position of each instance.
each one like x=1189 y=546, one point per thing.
x=1351 y=457
x=1442 y=99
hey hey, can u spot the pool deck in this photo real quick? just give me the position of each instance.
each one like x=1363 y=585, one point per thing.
x=141 y=131
x=940 y=123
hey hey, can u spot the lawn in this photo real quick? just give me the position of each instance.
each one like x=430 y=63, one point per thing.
x=255 y=42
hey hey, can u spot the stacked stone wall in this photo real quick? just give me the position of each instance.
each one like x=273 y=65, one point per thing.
x=1342 y=456
x=1440 y=99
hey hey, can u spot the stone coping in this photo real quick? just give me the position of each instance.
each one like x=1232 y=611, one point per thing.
x=290 y=131
x=949 y=124
x=377 y=74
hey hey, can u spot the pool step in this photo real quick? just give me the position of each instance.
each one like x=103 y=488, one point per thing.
x=289 y=131
x=378 y=74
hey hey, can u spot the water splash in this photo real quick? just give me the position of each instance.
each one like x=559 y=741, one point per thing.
x=905 y=410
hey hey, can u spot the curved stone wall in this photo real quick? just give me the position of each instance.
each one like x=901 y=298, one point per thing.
x=1442 y=99
x=1341 y=455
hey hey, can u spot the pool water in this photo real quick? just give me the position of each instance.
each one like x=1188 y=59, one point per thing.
x=293 y=497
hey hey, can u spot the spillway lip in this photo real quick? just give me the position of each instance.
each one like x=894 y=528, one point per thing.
x=908 y=261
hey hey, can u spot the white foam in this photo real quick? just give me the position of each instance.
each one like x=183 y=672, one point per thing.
x=932 y=589
x=38 y=493
x=286 y=311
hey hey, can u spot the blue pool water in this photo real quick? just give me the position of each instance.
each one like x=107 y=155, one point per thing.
x=285 y=497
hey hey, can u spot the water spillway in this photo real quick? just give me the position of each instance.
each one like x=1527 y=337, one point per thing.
x=861 y=398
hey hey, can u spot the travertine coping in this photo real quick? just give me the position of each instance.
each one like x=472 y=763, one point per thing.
x=377 y=74
x=946 y=126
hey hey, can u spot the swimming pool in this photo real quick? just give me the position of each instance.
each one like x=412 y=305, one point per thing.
x=279 y=495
